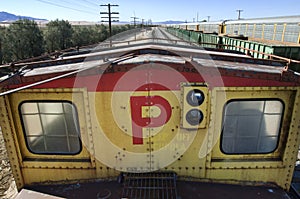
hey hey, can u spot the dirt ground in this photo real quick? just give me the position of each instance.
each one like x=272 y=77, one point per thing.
x=7 y=184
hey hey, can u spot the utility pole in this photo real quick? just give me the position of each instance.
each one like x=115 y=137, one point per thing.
x=239 y=11
x=143 y=23
x=134 y=20
x=109 y=13
x=208 y=17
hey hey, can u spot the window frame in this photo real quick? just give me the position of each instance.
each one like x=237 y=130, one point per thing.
x=249 y=100
x=25 y=133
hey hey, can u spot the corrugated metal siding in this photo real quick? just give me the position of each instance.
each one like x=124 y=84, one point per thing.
x=292 y=33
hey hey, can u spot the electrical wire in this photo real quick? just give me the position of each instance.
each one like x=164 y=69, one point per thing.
x=66 y=7
x=81 y=5
x=91 y=3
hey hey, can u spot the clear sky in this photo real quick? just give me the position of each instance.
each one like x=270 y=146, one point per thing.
x=156 y=10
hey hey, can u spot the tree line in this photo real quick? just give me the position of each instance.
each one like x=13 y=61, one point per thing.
x=25 y=39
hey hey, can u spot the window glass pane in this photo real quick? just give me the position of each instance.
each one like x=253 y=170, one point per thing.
x=74 y=143
x=273 y=107
x=36 y=144
x=244 y=108
x=228 y=144
x=56 y=144
x=231 y=126
x=51 y=127
x=270 y=125
x=246 y=145
x=68 y=108
x=251 y=126
x=54 y=124
x=267 y=144
x=30 y=108
x=248 y=125
x=50 y=107
x=72 y=126
x=32 y=124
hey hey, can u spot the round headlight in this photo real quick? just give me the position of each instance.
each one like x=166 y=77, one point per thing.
x=195 y=97
x=194 y=117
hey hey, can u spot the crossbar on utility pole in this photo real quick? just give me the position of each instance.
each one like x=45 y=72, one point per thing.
x=109 y=13
x=239 y=11
x=134 y=20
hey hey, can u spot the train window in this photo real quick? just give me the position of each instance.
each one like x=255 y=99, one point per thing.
x=251 y=127
x=51 y=127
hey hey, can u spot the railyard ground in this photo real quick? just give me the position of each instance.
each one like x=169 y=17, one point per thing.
x=8 y=188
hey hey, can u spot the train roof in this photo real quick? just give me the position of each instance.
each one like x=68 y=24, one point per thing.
x=262 y=20
x=163 y=53
x=267 y=20
x=141 y=53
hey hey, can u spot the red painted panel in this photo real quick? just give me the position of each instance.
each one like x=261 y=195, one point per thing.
x=162 y=79
x=138 y=122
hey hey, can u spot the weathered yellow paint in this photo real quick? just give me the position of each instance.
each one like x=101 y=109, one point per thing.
x=106 y=130
x=263 y=31
x=283 y=32
x=256 y=167
x=61 y=175
x=29 y=163
x=76 y=98
x=150 y=111
x=9 y=134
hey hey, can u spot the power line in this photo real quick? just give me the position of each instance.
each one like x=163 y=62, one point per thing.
x=62 y=6
x=82 y=4
x=91 y=3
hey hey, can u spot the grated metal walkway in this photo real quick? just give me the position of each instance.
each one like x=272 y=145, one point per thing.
x=157 y=185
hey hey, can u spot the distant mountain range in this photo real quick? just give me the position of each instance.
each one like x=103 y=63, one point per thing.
x=5 y=16
x=169 y=22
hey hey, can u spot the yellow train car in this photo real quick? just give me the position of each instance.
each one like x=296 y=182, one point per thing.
x=154 y=109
